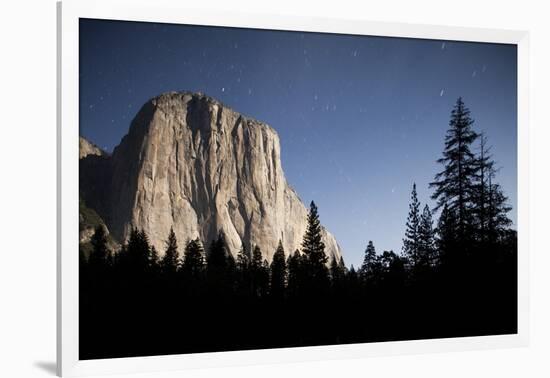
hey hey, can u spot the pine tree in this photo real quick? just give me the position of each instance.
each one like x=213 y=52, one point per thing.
x=485 y=169
x=193 y=259
x=368 y=268
x=454 y=185
x=497 y=212
x=411 y=240
x=295 y=274
x=278 y=272
x=154 y=259
x=393 y=270
x=243 y=259
x=313 y=247
x=338 y=274
x=447 y=236
x=217 y=266
x=426 y=238
x=135 y=257
x=217 y=253
x=259 y=273
x=352 y=281
x=170 y=260
x=257 y=258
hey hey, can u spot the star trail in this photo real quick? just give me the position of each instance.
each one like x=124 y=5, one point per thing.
x=359 y=118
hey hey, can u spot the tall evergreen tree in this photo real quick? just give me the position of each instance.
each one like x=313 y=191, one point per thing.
x=193 y=259
x=497 y=212
x=455 y=183
x=244 y=277
x=313 y=247
x=426 y=239
x=337 y=269
x=135 y=256
x=485 y=168
x=257 y=258
x=367 y=271
x=447 y=236
x=278 y=272
x=295 y=274
x=392 y=271
x=217 y=267
x=243 y=259
x=259 y=273
x=154 y=260
x=411 y=240
x=338 y=273
x=170 y=260
x=217 y=254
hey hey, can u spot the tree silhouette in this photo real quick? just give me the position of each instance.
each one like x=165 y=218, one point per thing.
x=193 y=259
x=170 y=260
x=368 y=269
x=411 y=241
x=447 y=236
x=426 y=239
x=481 y=192
x=295 y=274
x=457 y=280
x=497 y=211
x=455 y=183
x=259 y=273
x=278 y=272
x=217 y=266
x=135 y=257
x=154 y=260
x=313 y=249
x=243 y=259
x=337 y=269
x=217 y=253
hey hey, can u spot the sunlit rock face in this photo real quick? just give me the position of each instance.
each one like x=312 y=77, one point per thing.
x=191 y=163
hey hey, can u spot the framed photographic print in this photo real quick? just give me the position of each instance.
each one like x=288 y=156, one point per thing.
x=240 y=189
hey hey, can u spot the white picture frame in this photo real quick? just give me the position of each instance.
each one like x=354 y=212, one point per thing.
x=166 y=11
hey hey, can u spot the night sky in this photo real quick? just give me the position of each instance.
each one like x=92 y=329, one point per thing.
x=360 y=118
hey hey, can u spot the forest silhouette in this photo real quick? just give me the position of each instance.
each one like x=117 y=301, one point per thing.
x=454 y=277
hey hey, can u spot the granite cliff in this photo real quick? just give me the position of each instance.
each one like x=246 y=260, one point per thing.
x=191 y=163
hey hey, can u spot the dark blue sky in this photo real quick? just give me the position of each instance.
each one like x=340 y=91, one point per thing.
x=360 y=118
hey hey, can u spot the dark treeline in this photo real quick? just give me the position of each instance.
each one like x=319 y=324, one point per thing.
x=456 y=276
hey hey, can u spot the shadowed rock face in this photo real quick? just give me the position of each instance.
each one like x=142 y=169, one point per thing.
x=192 y=163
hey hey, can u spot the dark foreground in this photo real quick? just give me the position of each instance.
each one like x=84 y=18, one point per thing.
x=127 y=310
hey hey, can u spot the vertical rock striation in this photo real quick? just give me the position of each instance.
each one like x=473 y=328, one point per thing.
x=190 y=163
